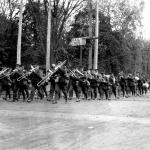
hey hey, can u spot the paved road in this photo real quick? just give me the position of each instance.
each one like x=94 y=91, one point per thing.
x=122 y=124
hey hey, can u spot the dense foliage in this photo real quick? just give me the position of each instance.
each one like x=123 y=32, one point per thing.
x=119 y=48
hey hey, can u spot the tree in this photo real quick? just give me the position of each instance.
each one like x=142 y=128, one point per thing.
x=8 y=31
x=61 y=12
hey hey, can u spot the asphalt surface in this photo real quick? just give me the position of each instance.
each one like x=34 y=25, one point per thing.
x=122 y=124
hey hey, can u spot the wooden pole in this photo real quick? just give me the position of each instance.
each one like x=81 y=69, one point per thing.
x=81 y=51
x=48 y=37
x=90 y=35
x=96 y=35
x=19 y=35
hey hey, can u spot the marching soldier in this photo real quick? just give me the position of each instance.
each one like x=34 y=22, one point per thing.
x=35 y=77
x=93 y=84
x=104 y=86
x=61 y=84
x=74 y=86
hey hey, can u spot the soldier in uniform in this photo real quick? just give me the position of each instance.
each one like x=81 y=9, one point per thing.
x=131 y=84
x=16 y=74
x=35 y=77
x=113 y=83
x=23 y=83
x=104 y=86
x=62 y=84
x=74 y=86
x=123 y=83
x=85 y=85
x=93 y=84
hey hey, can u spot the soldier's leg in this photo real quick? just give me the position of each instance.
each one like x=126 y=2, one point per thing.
x=44 y=90
x=40 y=92
x=114 y=90
x=15 y=93
x=8 y=92
x=100 y=92
x=95 y=92
x=52 y=90
x=85 y=92
x=26 y=91
x=106 y=91
x=32 y=93
x=70 y=91
x=75 y=88
x=64 y=90
x=106 y=94
x=22 y=91
x=57 y=93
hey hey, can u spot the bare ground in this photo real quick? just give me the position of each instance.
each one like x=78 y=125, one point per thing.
x=122 y=124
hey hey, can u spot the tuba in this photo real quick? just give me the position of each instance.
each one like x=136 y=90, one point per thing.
x=59 y=65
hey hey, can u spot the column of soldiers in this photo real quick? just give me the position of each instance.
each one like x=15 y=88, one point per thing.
x=68 y=84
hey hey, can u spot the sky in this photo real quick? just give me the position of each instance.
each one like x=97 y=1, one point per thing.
x=146 y=20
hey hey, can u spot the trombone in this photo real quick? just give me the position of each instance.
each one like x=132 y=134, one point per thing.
x=72 y=73
x=51 y=73
x=2 y=73
x=79 y=72
x=24 y=74
x=45 y=78
x=21 y=77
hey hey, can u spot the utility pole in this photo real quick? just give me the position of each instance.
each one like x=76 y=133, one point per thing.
x=96 y=35
x=90 y=35
x=19 y=35
x=81 y=51
x=48 y=37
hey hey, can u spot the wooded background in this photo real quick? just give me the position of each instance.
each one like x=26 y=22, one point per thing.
x=121 y=46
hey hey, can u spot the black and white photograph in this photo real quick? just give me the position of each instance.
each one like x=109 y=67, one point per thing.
x=74 y=74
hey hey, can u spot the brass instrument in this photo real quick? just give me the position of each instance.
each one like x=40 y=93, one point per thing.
x=60 y=65
x=32 y=69
x=13 y=71
x=2 y=73
x=22 y=77
x=79 y=72
x=45 y=78
x=73 y=73
x=89 y=75
x=24 y=74
x=50 y=73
